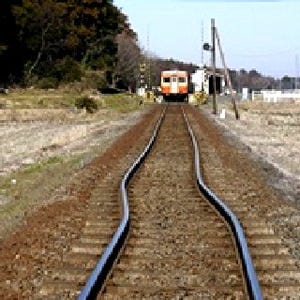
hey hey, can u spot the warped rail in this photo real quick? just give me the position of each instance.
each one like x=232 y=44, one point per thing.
x=240 y=239
x=99 y=276
x=97 y=279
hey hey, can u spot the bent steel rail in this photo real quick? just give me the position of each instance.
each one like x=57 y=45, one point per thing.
x=103 y=268
x=253 y=286
x=97 y=279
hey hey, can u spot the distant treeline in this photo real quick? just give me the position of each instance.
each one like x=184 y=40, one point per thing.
x=256 y=81
x=58 y=40
x=49 y=42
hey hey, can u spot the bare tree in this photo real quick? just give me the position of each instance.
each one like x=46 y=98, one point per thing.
x=127 y=69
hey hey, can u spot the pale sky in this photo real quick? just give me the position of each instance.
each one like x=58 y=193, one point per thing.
x=262 y=35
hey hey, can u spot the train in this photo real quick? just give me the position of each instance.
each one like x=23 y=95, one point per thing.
x=174 y=85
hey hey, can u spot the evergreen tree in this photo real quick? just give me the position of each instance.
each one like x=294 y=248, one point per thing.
x=11 y=58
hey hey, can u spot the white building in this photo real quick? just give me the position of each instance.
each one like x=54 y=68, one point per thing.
x=202 y=81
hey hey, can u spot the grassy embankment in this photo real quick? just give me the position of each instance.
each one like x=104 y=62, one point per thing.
x=65 y=98
x=32 y=185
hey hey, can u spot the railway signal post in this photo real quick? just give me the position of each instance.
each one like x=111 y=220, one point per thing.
x=141 y=89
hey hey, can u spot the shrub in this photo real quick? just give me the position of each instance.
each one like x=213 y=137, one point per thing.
x=47 y=83
x=88 y=103
x=59 y=71
x=93 y=80
x=67 y=70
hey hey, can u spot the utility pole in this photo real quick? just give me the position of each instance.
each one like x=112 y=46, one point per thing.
x=202 y=42
x=213 y=63
x=227 y=76
x=297 y=71
x=149 y=60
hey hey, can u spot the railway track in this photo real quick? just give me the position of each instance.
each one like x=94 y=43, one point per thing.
x=244 y=190
x=178 y=245
x=101 y=216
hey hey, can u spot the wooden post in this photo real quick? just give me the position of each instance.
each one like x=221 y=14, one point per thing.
x=227 y=76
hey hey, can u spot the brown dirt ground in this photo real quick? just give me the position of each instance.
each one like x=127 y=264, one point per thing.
x=22 y=254
x=269 y=134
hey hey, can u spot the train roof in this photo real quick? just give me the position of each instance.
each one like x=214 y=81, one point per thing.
x=174 y=72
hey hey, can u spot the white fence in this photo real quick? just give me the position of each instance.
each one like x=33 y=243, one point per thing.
x=276 y=96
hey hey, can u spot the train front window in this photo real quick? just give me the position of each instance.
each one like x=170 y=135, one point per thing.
x=166 y=79
x=174 y=79
x=181 y=79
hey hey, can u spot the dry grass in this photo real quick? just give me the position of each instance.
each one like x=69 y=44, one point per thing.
x=271 y=133
x=31 y=187
x=65 y=98
x=280 y=108
x=35 y=98
x=47 y=146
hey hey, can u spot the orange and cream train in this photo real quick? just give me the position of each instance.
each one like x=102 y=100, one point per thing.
x=174 y=85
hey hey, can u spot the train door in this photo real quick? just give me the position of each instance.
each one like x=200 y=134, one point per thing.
x=174 y=85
